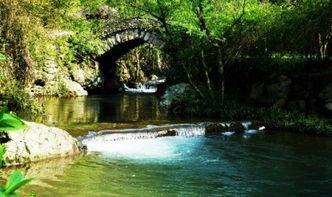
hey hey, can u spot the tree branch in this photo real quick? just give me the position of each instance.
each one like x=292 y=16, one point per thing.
x=235 y=22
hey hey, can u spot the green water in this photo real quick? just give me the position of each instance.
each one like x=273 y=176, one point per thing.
x=81 y=114
x=269 y=164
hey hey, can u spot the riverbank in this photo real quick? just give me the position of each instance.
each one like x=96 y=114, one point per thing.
x=182 y=100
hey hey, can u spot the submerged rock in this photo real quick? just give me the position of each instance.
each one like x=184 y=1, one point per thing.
x=39 y=142
x=233 y=127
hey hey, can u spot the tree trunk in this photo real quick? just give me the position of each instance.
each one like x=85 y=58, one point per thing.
x=158 y=60
x=207 y=77
x=221 y=69
x=191 y=82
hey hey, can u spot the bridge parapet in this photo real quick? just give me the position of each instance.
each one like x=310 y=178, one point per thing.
x=145 y=24
x=132 y=29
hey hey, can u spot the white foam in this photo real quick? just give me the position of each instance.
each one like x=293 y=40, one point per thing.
x=135 y=149
x=251 y=131
x=142 y=88
x=246 y=124
x=228 y=133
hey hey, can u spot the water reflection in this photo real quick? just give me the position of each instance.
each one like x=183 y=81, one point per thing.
x=95 y=109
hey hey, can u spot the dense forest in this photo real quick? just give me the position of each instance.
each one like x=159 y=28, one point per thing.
x=225 y=50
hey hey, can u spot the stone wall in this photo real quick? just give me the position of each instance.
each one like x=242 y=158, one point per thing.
x=53 y=79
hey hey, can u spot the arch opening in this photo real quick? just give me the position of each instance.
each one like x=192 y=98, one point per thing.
x=123 y=52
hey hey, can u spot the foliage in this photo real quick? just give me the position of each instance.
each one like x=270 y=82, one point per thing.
x=2 y=153
x=10 y=122
x=15 y=181
x=274 y=118
x=204 y=37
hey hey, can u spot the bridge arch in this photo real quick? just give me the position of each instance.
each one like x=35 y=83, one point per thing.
x=120 y=39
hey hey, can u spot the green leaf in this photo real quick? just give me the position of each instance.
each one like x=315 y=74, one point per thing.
x=14 y=178
x=18 y=185
x=16 y=181
x=2 y=152
x=10 y=122
x=13 y=195
x=2 y=194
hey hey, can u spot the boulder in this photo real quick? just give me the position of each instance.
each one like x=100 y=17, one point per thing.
x=153 y=77
x=73 y=88
x=236 y=126
x=254 y=125
x=39 y=142
x=215 y=127
x=179 y=96
x=78 y=75
x=170 y=132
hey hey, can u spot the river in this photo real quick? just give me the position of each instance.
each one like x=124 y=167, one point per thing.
x=274 y=163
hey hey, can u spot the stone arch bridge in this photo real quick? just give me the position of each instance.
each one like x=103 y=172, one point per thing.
x=120 y=38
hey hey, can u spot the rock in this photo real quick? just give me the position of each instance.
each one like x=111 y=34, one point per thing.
x=73 y=88
x=170 y=132
x=78 y=75
x=255 y=125
x=153 y=77
x=236 y=126
x=328 y=106
x=179 y=96
x=39 y=142
x=215 y=127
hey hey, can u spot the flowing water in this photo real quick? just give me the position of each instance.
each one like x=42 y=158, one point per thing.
x=264 y=164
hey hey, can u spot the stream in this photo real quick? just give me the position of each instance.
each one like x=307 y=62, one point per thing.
x=273 y=163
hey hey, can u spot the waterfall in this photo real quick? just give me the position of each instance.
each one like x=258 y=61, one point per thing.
x=102 y=140
x=145 y=87
x=142 y=88
x=107 y=136
x=191 y=131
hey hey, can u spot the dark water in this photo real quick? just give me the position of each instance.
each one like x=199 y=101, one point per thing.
x=269 y=164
